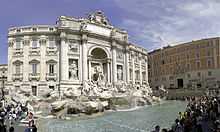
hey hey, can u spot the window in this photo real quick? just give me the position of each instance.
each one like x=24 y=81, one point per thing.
x=198 y=74
x=137 y=75
x=187 y=56
x=163 y=78
x=34 y=44
x=188 y=66
x=51 y=68
x=209 y=73
x=51 y=87
x=18 y=30
x=34 y=90
x=17 y=69
x=34 y=68
x=208 y=53
x=198 y=64
x=34 y=29
x=209 y=63
x=18 y=44
x=51 y=29
x=51 y=44
x=144 y=76
x=188 y=75
x=131 y=75
x=197 y=55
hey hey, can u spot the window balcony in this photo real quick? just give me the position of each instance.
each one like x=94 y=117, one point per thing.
x=18 y=52
x=17 y=76
x=34 y=76
x=51 y=50
x=34 y=51
x=51 y=76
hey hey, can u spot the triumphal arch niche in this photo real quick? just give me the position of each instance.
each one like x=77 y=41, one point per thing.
x=99 y=65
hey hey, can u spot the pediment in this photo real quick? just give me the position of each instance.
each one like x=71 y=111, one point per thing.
x=18 y=62
x=34 y=61
x=51 y=61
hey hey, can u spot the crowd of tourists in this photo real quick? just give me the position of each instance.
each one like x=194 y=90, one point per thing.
x=201 y=115
x=11 y=115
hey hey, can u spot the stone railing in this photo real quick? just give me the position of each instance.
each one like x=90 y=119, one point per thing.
x=51 y=76
x=34 y=51
x=34 y=76
x=32 y=29
x=17 y=76
x=18 y=52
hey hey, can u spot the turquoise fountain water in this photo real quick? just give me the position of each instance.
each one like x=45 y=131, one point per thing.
x=140 y=120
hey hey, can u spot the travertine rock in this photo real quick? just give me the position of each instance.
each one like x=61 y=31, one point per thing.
x=58 y=105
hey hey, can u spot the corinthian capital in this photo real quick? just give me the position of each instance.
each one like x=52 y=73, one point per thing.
x=26 y=42
x=63 y=35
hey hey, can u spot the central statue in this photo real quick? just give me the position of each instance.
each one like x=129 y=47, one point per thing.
x=98 y=73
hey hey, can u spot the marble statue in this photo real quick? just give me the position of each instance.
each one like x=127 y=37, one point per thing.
x=120 y=73
x=73 y=71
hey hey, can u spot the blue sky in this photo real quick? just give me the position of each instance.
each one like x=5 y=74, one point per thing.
x=150 y=23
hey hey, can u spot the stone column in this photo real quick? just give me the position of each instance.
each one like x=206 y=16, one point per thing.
x=64 y=62
x=114 y=65
x=146 y=69
x=140 y=68
x=43 y=66
x=90 y=78
x=84 y=58
x=26 y=44
x=108 y=71
x=133 y=68
x=127 y=64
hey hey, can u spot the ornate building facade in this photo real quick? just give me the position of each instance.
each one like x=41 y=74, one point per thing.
x=72 y=53
x=194 y=64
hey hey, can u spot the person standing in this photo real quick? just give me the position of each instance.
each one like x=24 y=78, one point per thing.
x=156 y=129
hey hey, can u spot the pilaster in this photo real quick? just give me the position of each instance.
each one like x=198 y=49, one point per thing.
x=140 y=68
x=133 y=68
x=64 y=66
x=127 y=64
x=43 y=65
x=26 y=44
x=114 y=66
x=146 y=69
x=84 y=58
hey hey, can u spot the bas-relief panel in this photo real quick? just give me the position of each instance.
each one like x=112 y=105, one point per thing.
x=73 y=47
x=120 y=55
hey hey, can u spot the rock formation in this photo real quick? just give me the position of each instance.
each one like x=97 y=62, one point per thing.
x=92 y=98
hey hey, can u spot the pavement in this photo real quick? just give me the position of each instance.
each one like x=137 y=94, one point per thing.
x=18 y=127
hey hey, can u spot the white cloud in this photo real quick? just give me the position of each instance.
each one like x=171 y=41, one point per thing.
x=156 y=23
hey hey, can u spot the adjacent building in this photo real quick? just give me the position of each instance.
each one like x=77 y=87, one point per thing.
x=3 y=76
x=194 y=64
x=71 y=53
